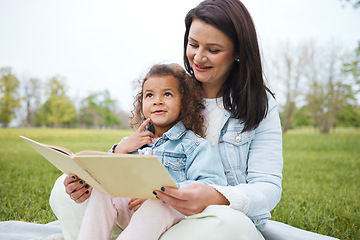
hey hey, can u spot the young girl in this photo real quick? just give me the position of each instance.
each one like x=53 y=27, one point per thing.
x=169 y=124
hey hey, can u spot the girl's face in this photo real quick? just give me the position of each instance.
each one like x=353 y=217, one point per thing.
x=161 y=102
x=210 y=54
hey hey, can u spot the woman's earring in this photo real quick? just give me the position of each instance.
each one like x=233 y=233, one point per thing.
x=237 y=60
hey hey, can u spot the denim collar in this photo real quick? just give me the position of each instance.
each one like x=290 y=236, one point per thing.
x=176 y=132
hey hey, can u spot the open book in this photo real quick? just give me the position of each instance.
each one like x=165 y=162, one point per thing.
x=119 y=175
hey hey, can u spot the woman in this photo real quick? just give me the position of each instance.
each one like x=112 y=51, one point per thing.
x=221 y=51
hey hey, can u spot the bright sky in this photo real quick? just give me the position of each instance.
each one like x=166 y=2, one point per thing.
x=106 y=44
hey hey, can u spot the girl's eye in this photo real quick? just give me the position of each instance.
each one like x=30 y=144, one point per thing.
x=167 y=94
x=148 y=95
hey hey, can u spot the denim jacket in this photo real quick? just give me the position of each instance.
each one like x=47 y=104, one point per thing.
x=187 y=157
x=253 y=163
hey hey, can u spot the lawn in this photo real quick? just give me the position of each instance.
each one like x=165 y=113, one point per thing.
x=321 y=186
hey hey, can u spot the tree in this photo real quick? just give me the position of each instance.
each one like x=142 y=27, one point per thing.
x=9 y=96
x=313 y=85
x=348 y=116
x=352 y=67
x=97 y=110
x=58 y=110
x=328 y=91
x=355 y=3
x=289 y=67
x=302 y=117
x=32 y=92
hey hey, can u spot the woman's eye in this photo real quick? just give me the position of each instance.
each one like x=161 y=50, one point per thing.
x=214 y=50
x=193 y=45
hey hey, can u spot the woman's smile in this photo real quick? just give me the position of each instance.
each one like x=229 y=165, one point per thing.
x=210 y=54
x=201 y=68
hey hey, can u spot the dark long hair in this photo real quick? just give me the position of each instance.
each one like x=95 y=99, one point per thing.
x=244 y=92
x=191 y=98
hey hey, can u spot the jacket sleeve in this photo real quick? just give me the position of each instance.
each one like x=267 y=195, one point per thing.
x=203 y=166
x=262 y=190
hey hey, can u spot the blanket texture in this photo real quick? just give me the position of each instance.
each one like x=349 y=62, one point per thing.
x=17 y=230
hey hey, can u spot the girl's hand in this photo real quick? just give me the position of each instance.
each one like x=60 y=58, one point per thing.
x=77 y=189
x=136 y=203
x=136 y=140
x=192 y=199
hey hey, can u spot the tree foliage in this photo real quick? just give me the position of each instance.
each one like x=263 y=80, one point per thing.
x=353 y=66
x=32 y=97
x=289 y=67
x=58 y=110
x=97 y=110
x=314 y=86
x=354 y=3
x=9 y=96
x=329 y=91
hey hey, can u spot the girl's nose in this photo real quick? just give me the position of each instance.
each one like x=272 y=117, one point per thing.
x=157 y=101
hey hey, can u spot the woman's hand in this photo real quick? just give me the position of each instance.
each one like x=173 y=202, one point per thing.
x=77 y=189
x=135 y=203
x=192 y=199
x=138 y=139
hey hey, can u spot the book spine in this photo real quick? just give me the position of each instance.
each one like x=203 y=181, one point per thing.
x=93 y=177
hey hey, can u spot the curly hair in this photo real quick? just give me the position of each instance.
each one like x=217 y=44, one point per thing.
x=191 y=98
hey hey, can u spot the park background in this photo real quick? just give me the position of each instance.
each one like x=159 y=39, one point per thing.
x=80 y=59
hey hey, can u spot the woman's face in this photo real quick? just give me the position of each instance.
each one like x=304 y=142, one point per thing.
x=210 y=54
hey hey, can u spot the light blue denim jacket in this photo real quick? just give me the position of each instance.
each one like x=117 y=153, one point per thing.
x=253 y=162
x=187 y=157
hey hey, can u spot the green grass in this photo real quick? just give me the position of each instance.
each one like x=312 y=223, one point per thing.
x=26 y=178
x=321 y=186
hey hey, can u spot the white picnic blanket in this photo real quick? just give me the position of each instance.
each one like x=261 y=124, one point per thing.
x=17 y=230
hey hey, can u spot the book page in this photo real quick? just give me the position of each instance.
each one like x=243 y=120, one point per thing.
x=61 y=149
x=62 y=161
x=119 y=175
x=92 y=153
x=127 y=175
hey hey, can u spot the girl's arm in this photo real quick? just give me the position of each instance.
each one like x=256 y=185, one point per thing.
x=138 y=139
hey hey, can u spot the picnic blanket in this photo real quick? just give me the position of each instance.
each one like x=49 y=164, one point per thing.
x=18 y=230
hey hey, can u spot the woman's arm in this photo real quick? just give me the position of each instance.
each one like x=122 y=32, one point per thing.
x=192 y=199
x=77 y=189
x=263 y=172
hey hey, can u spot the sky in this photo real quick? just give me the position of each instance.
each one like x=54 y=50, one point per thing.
x=97 y=45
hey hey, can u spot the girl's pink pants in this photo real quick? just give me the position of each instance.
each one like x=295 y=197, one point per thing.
x=150 y=221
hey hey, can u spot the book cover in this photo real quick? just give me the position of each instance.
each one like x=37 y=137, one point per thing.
x=119 y=175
